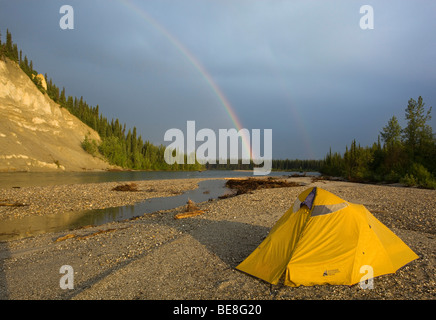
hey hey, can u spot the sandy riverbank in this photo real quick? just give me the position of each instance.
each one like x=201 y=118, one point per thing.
x=158 y=257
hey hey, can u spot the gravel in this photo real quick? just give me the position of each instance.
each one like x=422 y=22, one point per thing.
x=158 y=257
x=57 y=199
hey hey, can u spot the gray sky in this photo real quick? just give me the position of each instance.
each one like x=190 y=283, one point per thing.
x=304 y=69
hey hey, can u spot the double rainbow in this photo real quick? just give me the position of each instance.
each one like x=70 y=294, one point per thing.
x=195 y=63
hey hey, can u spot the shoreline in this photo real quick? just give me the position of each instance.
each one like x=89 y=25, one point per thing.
x=158 y=257
x=55 y=199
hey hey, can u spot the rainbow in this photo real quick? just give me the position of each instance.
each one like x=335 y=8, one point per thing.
x=295 y=114
x=195 y=63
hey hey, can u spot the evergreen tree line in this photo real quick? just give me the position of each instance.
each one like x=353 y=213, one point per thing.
x=118 y=145
x=297 y=165
x=406 y=155
x=10 y=50
x=277 y=165
x=124 y=147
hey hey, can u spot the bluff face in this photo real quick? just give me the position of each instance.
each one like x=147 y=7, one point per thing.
x=35 y=133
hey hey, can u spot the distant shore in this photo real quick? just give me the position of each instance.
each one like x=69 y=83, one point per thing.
x=158 y=257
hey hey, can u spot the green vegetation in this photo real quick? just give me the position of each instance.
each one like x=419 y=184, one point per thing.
x=407 y=155
x=10 y=50
x=90 y=146
x=121 y=146
x=118 y=145
x=277 y=165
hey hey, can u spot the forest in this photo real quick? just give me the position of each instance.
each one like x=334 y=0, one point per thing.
x=401 y=155
x=121 y=146
x=289 y=165
x=405 y=155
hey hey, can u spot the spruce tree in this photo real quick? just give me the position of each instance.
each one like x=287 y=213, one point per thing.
x=63 y=99
x=417 y=132
x=1 y=46
x=391 y=134
x=8 y=48
x=15 y=52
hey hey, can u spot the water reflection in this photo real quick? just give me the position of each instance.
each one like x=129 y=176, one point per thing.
x=27 y=179
x=35 y=225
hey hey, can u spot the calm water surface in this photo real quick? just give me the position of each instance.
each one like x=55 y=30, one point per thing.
x=34 y=225
x=27 y=179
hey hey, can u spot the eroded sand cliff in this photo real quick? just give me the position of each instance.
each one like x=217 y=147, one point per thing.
x=35 y=133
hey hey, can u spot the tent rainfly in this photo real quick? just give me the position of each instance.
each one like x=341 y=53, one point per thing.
x=324 y=239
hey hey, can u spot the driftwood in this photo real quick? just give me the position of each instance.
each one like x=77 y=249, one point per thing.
x=191 y=211
x=68 y=236
x=188 y=214
x=191 y=206
x=16 y=204
x=247 y=185
x=71 y=235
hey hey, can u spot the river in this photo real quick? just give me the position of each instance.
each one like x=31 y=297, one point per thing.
x=33 y=225
x=28 y=179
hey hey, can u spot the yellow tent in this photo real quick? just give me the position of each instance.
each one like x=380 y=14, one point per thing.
x=323 y=239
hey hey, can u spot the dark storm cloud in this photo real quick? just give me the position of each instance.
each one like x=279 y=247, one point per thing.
x=302 y=68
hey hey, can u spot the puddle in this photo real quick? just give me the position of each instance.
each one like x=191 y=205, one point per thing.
x=35 y=225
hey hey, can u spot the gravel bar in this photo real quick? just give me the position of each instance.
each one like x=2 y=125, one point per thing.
x=158 y=257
